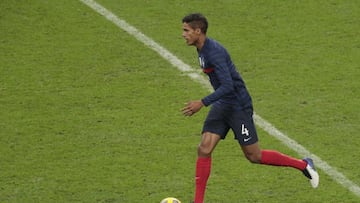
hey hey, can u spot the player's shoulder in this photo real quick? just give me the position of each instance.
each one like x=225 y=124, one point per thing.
x=213 y=44
x=215 y=50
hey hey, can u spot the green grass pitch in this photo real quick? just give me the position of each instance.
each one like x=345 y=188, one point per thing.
x=90 y=114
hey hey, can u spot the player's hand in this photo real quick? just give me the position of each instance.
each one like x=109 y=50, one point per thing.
x=192 y=107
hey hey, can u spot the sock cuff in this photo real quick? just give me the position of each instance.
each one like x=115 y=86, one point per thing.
x=204 y=160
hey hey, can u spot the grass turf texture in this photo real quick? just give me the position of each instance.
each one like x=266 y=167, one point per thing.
x=89 y=114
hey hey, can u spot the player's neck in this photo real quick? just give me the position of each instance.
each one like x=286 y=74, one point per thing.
x=200 y=42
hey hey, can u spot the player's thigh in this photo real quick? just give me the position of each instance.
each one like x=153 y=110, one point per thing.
x=216 y=122
x=243 y=126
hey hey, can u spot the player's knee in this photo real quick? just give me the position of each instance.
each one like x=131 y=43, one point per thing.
x=204 y=151
x=253 y=157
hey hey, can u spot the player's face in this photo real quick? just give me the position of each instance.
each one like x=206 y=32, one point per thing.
x=190 y=35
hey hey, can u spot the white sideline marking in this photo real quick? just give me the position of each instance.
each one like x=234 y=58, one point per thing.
x=266 y=126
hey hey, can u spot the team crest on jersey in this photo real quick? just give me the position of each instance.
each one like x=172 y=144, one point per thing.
x=202 y=62
x=205 y=69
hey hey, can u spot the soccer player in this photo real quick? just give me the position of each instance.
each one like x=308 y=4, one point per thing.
x=231 y=108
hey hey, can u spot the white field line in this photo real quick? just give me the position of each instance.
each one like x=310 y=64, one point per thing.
x=262 y=123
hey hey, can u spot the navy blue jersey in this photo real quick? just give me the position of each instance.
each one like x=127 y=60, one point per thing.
x=229 y=87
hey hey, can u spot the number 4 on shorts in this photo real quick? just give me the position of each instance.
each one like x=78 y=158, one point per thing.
x=244 y=130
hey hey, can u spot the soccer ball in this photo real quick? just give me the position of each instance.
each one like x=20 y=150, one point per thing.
x=170 y=200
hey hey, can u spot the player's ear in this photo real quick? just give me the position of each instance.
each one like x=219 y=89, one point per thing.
x=198 y=31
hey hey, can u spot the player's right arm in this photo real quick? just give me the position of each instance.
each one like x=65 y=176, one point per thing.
x=224 y=80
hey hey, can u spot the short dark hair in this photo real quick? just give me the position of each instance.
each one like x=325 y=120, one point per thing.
x=196 y=20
